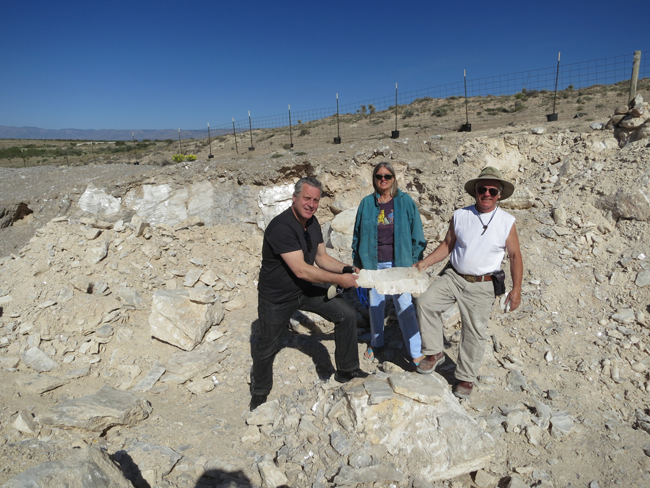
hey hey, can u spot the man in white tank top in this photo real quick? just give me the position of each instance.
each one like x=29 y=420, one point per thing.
x=477 y=239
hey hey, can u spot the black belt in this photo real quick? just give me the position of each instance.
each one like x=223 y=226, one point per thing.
x=471 y=278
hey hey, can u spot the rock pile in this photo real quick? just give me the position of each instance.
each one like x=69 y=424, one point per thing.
x=630 y=123
x=135 y=337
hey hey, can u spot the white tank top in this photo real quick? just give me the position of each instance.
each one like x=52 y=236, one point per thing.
x=476 y=254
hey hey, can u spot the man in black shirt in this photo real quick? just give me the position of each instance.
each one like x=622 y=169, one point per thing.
x=293 y=242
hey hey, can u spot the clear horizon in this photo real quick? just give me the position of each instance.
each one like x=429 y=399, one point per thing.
x=153 y=66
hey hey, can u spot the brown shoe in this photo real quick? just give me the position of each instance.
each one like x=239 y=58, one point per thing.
x=463 y=389
x=429 y=363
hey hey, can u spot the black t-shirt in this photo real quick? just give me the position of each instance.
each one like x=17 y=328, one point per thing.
x=284 y=234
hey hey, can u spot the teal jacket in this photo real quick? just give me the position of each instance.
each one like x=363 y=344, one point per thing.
x=408 y=235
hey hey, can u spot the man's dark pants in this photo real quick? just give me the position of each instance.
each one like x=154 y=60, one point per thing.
x=274 y=318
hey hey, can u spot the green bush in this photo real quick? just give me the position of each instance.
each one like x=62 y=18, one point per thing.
x=440 y=111
x=371 y=109
x=276 y=155
x=408 y=112
x=190 y=157
x=303 y=132
x=178 y=158
x=519 y=105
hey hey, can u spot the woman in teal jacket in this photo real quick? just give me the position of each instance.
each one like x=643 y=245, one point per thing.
x=388 y=233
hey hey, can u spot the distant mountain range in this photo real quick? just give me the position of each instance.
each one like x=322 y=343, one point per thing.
x=102 y=134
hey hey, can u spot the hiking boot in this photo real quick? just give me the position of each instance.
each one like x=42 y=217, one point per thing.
x=463 y=389
x=256 y=401
x=345 y=376
x=430 y=363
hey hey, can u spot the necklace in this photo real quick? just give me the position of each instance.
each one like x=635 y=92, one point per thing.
x=485 y=226
x=385 y=201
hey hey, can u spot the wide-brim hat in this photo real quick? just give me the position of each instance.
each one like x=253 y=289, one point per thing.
x=490 y=173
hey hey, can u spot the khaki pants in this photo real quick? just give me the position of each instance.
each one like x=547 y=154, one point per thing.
x=475 y=302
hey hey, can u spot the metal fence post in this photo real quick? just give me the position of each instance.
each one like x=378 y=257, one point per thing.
x=136 y=149
x=210 y=142
x=553 y=117
x=290 y=134
x=337 y=139
x=635 y=74
x=250 y=128
x=466 y=127
x=180 y=145
x=235 y=134
x=395 y=134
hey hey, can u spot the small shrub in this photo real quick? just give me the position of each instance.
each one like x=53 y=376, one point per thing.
x=299 y=121
x=495 y=111
x=408 y=112
x=453 y=97
x=519 y=105
x=300 y=153
x=276 y=155
x=371 y=109
x=478 y=113
x=190 y=157
x=363 y=109
x=286 y=146
x=178 y=158
x=303 y=132
x=440 y=111
x=120 y=143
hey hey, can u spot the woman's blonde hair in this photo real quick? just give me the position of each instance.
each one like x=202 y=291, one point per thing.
x=389 y=167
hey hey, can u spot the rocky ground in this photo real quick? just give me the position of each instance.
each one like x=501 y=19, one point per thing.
x=563 y=393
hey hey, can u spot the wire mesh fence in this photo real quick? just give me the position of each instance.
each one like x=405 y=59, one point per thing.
x=493 y=101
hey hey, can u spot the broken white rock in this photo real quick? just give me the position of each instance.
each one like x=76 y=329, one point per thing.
x=25 y=423
x=85 y=468
x=445 y=445
x=179 y=321
x=38 y=360
x=99 y=411
x=97 y=201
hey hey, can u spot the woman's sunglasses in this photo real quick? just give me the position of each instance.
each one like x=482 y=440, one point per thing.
x=493 y=191
x=384 y=177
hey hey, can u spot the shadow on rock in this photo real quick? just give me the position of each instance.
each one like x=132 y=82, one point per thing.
x=214 y=478
x=130 y=469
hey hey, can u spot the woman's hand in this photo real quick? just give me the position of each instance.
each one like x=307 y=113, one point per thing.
x=421 y=265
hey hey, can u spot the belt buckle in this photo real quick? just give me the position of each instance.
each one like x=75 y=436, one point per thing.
x=470 y=278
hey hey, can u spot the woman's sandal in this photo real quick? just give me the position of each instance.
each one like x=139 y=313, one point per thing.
x=369 y=355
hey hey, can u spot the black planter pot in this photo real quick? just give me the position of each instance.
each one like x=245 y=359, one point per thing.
x=394 y=134
x=465 y=128
x=551 y=117
x=337 y=140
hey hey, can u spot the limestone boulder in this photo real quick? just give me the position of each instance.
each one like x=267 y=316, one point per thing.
x=521 y=199
x=179 y=321
x=422 y=422
x=98 y=412
x=272 y=202
x=97 y=201
x=85 y=468
x=343 y=229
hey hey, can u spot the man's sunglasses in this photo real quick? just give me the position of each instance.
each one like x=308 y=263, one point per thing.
x=493 y=191
x=384 y=177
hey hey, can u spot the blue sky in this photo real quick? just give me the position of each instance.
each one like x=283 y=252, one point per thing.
x=165 y=65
